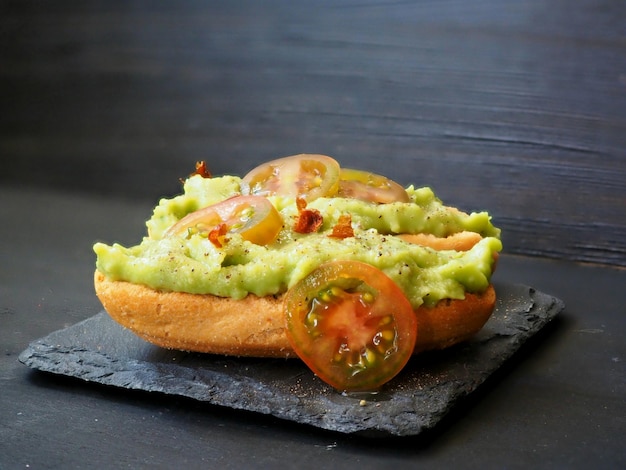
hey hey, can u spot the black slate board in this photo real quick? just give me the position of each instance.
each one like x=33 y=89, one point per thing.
x=99 y=350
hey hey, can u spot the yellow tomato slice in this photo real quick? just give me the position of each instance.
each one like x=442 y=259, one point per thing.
x=254 y=217
x=371 y=187
x=309 y=176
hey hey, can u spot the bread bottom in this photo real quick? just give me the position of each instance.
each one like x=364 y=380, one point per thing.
x=254 y=326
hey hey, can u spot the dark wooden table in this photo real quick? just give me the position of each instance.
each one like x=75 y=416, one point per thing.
x=514 y=107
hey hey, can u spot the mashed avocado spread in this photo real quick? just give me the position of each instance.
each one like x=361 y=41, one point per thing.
x=194 y=264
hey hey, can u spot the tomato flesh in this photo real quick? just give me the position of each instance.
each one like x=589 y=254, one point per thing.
x=351 y=325
x=371 y=187
x=306 y=175
x=254 y=217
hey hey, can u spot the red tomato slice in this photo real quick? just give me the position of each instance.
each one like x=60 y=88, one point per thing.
x=351 y=325
x=306 y=175
x=254 y=217
x=371 y=187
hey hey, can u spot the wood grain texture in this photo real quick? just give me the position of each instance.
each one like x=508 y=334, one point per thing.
x=514 y=107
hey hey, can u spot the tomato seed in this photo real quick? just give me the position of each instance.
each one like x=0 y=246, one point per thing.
x=388 y=335
x=370 y=356
x=312 y=319
x=382 y=349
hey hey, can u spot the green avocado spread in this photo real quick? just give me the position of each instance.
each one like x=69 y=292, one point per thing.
x=194 y=264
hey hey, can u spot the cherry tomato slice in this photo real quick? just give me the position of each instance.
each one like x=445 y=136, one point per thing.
x=306 y=175
x=351 y=325
x=254 y=217
x=371 y=187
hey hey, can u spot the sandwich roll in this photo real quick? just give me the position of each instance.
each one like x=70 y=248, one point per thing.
x=345 y=269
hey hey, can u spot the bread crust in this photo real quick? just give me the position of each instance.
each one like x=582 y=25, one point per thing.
x=461 y=241
x=254 y=326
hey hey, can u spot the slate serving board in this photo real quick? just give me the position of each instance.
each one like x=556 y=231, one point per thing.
x=99 y=350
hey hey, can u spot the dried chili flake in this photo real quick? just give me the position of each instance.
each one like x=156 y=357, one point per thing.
x=217 y=235
x=309 y=220
x=300 y=204
x=343 y=228
x=202 y=169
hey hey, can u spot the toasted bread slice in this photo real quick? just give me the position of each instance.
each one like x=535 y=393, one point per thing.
x=254 y=326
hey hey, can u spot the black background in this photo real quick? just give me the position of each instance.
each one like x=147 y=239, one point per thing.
x=516 y=107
